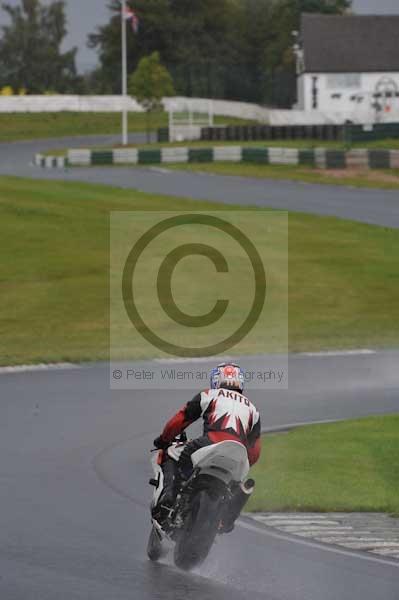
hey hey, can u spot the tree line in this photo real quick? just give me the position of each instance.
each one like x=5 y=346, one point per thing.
x=232 y=49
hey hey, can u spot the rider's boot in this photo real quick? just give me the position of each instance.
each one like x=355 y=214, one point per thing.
x=240 y=496
x=165 y=503
x=170 y=474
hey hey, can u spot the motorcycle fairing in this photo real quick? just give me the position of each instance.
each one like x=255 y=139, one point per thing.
x=158 y=476
x=227 y=461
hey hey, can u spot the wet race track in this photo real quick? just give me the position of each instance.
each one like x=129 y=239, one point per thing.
x=74 y=455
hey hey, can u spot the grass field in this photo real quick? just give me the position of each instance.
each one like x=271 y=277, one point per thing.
x=348 y=466
x=362 y=178
x=343 y=284
x=30 y=126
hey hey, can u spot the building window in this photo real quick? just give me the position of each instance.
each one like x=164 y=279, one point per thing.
x=315 y=93
x=343 y=80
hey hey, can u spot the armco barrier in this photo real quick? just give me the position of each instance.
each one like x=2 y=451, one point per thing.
x=335 y=159
x=255 y=155
x=379 y=159
x=149 y=157
x=319 y=157
x=394 y=159
x=50 y=162
x=79 y=157
x=123 y=156
x=283 y=156
x=357 y=159
x=174 y=155
x=200 y=155
x=102 y=158
x=227 y=153
x=307 y=157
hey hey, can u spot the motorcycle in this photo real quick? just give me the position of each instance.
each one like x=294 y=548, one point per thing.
x=207 y=502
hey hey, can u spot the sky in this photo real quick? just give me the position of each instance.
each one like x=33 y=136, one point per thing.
x=85 y=15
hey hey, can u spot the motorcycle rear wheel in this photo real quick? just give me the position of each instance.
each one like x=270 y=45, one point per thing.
x=198 y=533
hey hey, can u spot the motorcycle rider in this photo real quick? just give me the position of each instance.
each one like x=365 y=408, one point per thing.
x=227 y=415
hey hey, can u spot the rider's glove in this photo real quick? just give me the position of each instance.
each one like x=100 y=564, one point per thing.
x=160 y=443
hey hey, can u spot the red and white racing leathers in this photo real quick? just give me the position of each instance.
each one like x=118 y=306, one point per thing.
x=227 y=414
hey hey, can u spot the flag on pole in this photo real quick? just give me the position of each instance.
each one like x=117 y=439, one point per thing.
x=130 y=15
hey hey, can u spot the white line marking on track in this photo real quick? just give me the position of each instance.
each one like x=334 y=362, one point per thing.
x=342 y=540
x=371 y=545
x=321 y=528
x=211 y=359
x=299 y=522
x=297 y=516
x=319 y=546
x=386 y=552
x=160 y=170
x=360 y=352
x=312 y=533
x=39 y=367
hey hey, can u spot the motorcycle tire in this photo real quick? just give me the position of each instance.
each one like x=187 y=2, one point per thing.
x=199 y=531
x=155 y=549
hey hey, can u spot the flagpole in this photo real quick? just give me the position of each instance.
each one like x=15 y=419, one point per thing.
x=124 y=75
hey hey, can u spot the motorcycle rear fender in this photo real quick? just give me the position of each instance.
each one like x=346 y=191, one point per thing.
x=227 y=461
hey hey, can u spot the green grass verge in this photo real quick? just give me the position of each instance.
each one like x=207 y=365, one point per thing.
x=382 y=179
x=348 y=466
x=343 y=284
x=30 y=126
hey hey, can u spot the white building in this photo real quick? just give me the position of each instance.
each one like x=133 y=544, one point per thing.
x=349 y=64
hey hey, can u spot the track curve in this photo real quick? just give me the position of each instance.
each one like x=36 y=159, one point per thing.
x=74 y=466
x=74 y=457
x=378 y=207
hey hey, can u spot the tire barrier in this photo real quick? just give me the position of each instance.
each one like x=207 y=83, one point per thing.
x=348 y=133
x=321 y=158
x=273 y=132
x=379 y=131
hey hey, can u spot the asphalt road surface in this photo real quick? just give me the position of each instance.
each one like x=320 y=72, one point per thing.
x=74 y=455
x=380 y=207
x=74 y=466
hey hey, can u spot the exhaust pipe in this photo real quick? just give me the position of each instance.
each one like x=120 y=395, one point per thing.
x=248 y=486
x=240 y=497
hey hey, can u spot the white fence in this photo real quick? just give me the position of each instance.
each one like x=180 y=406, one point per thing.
x=243 y=110
x=37 y=104
x=226 y=108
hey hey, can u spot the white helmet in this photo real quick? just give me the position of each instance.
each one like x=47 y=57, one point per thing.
x=229 y=376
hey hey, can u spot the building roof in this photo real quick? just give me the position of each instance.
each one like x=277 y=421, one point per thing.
x=350 y=43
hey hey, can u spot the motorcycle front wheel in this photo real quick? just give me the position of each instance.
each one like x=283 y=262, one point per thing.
x=199 y=531
x=155 y=549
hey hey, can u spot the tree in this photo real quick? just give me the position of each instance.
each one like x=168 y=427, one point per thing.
x=193 y=38
x=30 y=48
x=233 y=49
x=149 y=83
x=154 y=26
